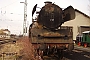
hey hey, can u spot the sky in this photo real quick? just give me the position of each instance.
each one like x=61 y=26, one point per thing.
x=12 y=11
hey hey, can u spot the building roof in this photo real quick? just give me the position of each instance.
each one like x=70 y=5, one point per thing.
x=3 y=31
x=86 y=32
x=82 y=13
x=6 y=30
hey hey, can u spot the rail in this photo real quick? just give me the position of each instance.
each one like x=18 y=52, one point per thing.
x=8 y=56
x=3 y=41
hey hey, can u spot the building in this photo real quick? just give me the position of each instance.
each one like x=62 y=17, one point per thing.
x=4 y=33
x=80 y=24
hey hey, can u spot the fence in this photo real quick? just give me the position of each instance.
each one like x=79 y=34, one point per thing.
x=8 y=56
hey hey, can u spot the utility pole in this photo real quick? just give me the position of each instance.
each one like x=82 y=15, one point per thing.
x=25 y=18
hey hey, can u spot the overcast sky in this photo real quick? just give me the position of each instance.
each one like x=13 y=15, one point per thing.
x=12 y=11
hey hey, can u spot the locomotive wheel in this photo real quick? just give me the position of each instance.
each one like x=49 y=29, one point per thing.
x=79 y=43
x=56 y=56
x=70 y=47
x=60 y=55
x=85 y=45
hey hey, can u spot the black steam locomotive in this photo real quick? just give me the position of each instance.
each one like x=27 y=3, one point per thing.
x=47 y=34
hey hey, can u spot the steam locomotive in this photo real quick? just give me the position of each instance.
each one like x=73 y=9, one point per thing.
x=46 y=33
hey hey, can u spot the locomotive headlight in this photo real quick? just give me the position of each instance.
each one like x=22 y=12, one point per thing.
x=52 y=20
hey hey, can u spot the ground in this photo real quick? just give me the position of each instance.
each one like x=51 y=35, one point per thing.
x=22 y=47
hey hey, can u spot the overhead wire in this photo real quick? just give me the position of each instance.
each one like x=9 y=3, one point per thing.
x=9 y=4
x=5 y=10
x=6 y=7
x=4 y=13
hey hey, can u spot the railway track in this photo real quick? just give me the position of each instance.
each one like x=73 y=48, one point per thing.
x=3 y=41
x=82 y=48
x=9 y=49
x=50 y=58
x=79 y=53
x=54 y=58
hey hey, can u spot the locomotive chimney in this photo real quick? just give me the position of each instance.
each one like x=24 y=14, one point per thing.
x=47 y=2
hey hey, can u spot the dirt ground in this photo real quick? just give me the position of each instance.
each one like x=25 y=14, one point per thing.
x=27 y=51
x=22 y=47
